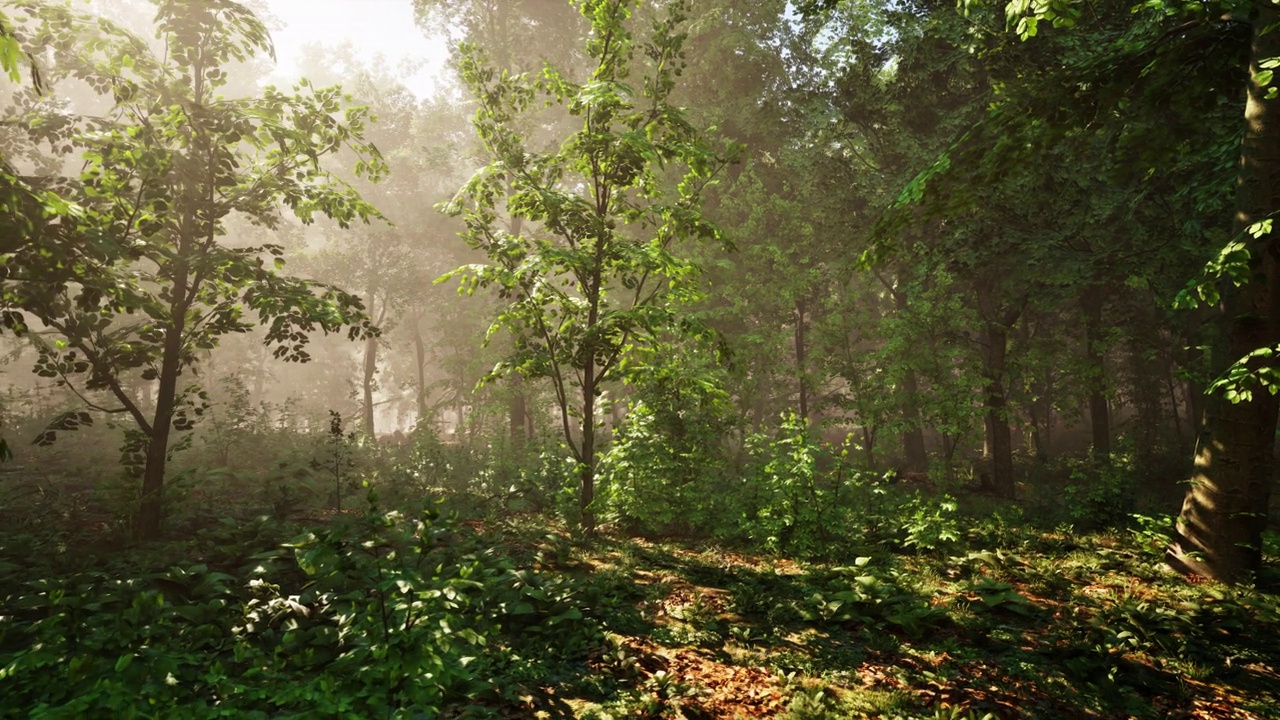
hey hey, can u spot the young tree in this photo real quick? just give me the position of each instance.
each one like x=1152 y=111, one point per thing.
x=594 y=269
x=155 y=283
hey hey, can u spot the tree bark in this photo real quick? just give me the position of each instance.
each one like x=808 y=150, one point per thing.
x=587 y=450
x=1099 y=413
x=420 y=369
x=1037 y=437
x=999 y=437
x=517 y=411
x=260 y=377
x=917 y=460
x=1219 y=531
x=151 y=509
x=995 y=348
x=800 y=359
x=370 y=369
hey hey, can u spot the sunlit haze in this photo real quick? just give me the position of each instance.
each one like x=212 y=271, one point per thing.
x=376 y=28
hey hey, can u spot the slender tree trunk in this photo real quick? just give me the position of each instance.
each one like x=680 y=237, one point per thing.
x=516 y=411
x=995 y=342
x=587 y=489
x=420 y=369
x=460 y=403
x=260 y=376
x=1195 y=406
x=869 y=442
x=800 y=359
x=917 y=460
x=151 y=510
x=1037 y=433
x=587 y=459
x=1219 y=531
x=1099 y=413
x=1201 y=333
x=1171 y=388
x=370 y=370
x=999 y=437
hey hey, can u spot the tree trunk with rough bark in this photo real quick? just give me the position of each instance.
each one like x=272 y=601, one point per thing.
x=1219 y=531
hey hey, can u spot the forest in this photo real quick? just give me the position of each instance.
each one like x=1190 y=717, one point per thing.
x=798 y=359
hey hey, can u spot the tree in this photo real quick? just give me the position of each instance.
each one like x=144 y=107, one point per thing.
x=155 y=284
x=1219 y=531
x=1118 y=84
x=594 y=270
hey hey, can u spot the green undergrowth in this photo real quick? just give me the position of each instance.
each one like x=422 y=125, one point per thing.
x=383 y=615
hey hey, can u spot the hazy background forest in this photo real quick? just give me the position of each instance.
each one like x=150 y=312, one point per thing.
x=684 y=358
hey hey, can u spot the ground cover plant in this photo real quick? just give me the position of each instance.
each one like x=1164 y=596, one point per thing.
x=387 y=616
x=370 y=612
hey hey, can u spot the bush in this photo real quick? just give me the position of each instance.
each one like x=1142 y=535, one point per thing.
x=666 y=467
x=1102 y=494
x=381 y=617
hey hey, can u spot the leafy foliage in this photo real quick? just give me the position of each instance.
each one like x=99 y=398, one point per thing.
x=135 y=276
x=600 y=271
x=375 y=617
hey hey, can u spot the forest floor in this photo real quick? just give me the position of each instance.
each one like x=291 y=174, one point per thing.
x=1014 y=622
x=1048 y=625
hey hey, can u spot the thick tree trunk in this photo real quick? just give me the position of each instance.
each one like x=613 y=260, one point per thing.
x=1219 y=531
x=1099 y=413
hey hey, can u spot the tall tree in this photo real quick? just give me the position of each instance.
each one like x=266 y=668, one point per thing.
x=1219 y=532
x=171 y=163
x=1118 y=83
